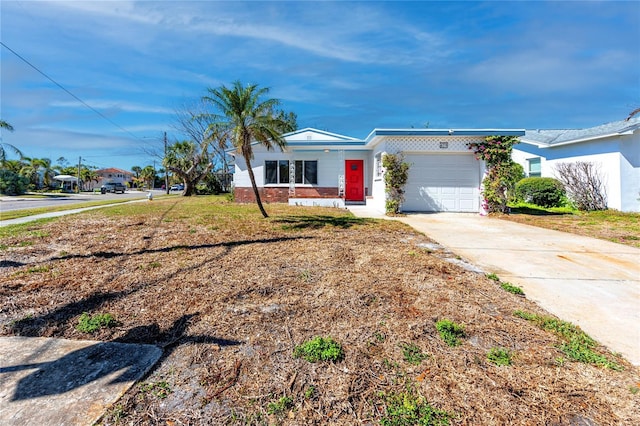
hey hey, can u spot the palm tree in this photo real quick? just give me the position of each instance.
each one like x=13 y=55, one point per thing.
x=3 y=151
x=5 y=125
x=249 y=119
x=88 y=175
x=148 y=175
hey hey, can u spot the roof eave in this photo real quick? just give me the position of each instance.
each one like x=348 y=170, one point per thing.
x=585 y=139
x=375 y=133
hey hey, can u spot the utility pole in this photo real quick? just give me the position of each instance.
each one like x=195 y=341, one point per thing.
x=78 y=177
x=166 y=167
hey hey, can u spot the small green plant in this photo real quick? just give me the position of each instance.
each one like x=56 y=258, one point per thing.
x=576 y=344
x=413 y=354
x=91 y=324
x=493 y=277
x=634 y=389
x=319 y=349
x=311 y=390
x=450 y=332
x=407 y=408
x=159 y=389
x=499 y=356
x=305 y=275
x=511 y=288
x=280 y=406
x=38 y=269
x=380 y=337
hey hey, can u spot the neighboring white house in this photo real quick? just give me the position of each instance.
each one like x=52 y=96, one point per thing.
x=323 y=168
x=614 y=148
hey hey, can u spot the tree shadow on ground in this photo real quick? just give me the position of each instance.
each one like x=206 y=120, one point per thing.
x=320 y=221
x=228 y=244
x=94 y=362
x=35 y=326
x=535 y=211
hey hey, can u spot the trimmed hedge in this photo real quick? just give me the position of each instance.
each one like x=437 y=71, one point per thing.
x=541 y=191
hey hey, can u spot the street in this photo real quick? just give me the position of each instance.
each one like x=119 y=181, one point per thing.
x=26 y=202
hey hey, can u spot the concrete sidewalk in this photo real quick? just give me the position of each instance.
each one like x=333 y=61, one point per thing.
x=592 y=283
x=46 y=381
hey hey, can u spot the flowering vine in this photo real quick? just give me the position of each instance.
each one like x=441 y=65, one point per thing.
x=502 y=171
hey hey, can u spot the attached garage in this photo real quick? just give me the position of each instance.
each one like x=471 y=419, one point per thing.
x=442 y=182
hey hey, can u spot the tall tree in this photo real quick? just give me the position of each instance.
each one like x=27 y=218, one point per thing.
x=242 y=110
x=88 y=175
x=195 y=122
x=148 y=176
x=190 y=161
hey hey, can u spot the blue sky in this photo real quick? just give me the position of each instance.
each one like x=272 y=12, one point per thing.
x=343 y=67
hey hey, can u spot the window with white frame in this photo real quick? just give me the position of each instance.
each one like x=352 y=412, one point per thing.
x=535 y=169
x=278 y=172
x=377 y=165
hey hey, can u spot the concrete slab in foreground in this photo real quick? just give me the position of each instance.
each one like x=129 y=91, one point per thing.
x=46 y=381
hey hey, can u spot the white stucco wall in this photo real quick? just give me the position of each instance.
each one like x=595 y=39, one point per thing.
x=330 y=165
x=617 y=158
x=630 y=173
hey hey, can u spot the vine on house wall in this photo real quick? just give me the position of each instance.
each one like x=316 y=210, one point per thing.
x=395 y=178
x=502 y=172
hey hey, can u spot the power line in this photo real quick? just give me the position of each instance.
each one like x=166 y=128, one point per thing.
x=68 y=92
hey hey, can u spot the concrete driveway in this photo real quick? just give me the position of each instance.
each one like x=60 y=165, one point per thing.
x=592 y=283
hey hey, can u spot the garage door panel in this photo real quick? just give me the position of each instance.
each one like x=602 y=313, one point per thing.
x=442 y=183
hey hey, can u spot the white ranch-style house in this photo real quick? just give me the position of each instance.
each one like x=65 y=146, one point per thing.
x=613 y=148
x=328 y=169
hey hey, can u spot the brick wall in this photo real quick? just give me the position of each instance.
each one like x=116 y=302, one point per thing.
x=281 y=194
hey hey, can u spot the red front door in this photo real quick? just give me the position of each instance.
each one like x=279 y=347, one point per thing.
x=354 y=180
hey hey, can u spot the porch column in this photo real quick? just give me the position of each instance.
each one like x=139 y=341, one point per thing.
x=341 y=183
x=292 y=177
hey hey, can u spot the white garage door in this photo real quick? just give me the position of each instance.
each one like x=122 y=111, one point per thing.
x=442 y=182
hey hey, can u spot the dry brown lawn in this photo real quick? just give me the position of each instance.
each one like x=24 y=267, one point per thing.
x=228 y=296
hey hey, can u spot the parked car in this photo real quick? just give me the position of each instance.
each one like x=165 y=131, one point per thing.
x=177 y=187
x=113 y=187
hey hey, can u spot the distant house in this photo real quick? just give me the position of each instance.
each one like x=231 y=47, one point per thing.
x=613 y=147
x=328 y=169
x=113 y=175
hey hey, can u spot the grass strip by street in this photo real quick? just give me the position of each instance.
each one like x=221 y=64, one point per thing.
x=15 y=214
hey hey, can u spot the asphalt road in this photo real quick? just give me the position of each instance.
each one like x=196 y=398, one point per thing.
x=25 y=202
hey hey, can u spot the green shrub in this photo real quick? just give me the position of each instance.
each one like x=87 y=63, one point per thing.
x=91 y=324
x=407 y=408
x=499 y=356
x=279 y=406
x=12 y=183
x=541 y=191
x=413 y=354
x=511 y=288
x=450 y=332
x=395 y=178
x=319 y=349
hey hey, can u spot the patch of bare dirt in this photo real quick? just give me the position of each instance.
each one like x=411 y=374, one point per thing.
x=228 y=297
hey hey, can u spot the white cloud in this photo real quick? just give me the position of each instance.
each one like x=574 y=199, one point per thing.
x=100 y=104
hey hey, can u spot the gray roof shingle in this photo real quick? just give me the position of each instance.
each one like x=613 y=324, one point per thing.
x=563 y=136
